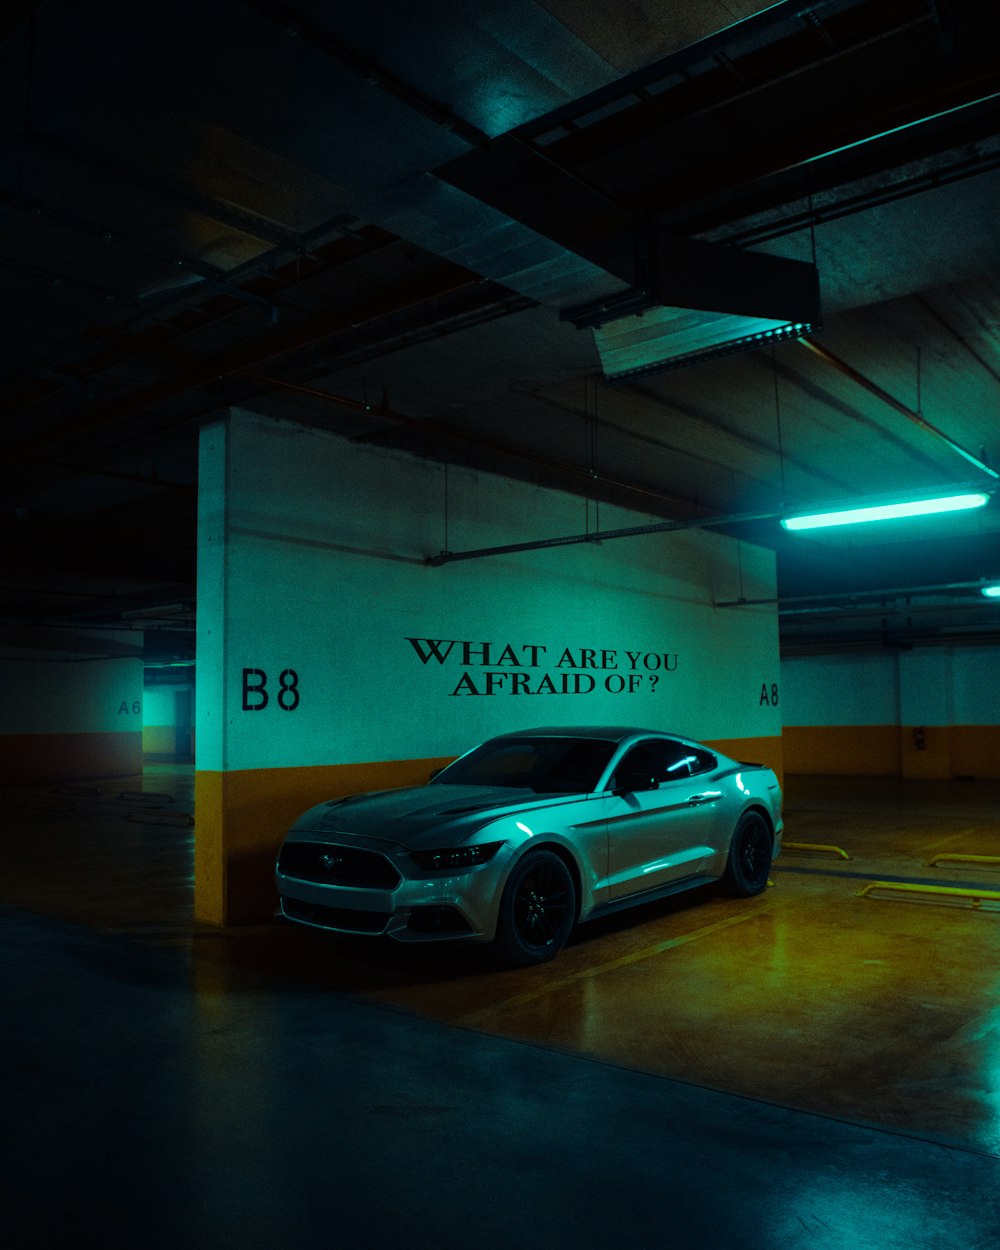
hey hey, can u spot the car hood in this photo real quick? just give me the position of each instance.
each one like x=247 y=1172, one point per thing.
x=421 y=816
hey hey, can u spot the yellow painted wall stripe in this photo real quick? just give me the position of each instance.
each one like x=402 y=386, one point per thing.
x=891 y=751
x=767 y=751
x=842 y=750
x=242 y=817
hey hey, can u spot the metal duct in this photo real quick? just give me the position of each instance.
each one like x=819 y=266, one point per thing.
x=685 y=299
x=701 y=300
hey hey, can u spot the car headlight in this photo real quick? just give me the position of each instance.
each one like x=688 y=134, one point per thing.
x=457 y=856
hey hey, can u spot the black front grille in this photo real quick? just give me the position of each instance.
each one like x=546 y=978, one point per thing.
x=328 y=864
x=343 y=918
x=437 y=920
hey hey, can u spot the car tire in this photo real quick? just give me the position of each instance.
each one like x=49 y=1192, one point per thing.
x=750 y=854
x=537 y=911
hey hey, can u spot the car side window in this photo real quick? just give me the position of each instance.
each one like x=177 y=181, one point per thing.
x=702 y=761
x=664 y=760
x=640 y=761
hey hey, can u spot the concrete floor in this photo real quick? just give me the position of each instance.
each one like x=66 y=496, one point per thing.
x=808 y=1068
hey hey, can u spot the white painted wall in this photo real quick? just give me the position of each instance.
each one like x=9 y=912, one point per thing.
x=840 y=690
x=925 y=680
x=58 y=696
x=312 y=561
x=927 y=686
x=976 y=686
x=159 y=705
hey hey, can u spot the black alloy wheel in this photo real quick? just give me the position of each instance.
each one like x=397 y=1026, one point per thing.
x=537 y=911
x=750 y=855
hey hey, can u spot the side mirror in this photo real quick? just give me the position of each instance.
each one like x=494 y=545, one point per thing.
x=635 y=783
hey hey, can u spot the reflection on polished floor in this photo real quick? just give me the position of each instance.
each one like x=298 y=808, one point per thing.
x=883 y=1010
x=809 y=1069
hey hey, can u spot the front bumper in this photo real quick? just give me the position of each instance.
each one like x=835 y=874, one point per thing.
x=435 y=907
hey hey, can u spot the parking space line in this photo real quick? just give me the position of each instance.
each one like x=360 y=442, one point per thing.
x=867 y=876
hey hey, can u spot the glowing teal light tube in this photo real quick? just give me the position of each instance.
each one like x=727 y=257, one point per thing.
x=885 y=512
x=992 y=592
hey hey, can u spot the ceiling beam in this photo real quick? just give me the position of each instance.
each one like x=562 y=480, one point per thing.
x=897 y=405
x=278 y=342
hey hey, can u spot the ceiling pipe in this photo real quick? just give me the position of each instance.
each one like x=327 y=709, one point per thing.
x=911 y=415
x=899 y=640
x=295 y=25
x=159 y=610
x=141 y=479
x=160 y=309
x=821 y=213
x=844 y=611
x=600 y=536
x=712 y=46
x=210 y=275
x=890 y=592
x=224 y=213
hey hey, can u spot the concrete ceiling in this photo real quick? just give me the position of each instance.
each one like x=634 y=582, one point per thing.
x=371 y=218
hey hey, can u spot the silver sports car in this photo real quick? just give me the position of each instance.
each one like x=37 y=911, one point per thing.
x=529 y=834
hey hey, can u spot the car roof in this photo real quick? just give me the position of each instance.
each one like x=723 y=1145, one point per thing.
x=608 y=733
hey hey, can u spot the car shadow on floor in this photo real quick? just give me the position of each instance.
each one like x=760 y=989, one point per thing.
x=305 y=958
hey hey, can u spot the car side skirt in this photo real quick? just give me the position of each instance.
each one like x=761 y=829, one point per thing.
x=648 y=896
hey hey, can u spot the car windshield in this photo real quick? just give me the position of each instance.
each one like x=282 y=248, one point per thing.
x=545 y=765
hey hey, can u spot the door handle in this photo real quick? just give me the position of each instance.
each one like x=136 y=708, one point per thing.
x=696 y=799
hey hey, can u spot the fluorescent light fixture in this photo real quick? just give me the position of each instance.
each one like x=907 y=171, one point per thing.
x=992 y=592
x=886 y=512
